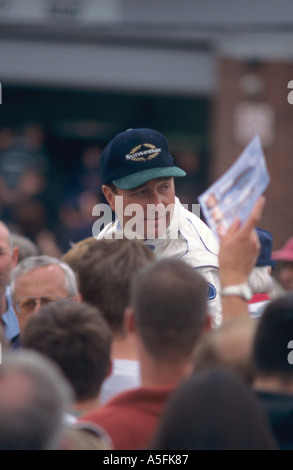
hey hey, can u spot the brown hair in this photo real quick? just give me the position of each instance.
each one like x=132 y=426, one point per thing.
x=105 y=274
x=169 y=302
x=75 y=253
x=76 y=337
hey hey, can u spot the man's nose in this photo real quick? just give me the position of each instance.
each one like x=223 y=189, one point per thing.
x=38 y=306
x=156 y=198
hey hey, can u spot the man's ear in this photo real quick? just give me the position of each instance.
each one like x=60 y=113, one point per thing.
x=15 y=254
x=129 y=321
x=109 y=195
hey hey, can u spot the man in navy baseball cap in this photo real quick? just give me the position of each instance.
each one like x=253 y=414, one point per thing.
x=266 y=246
x=137 y=173
x=136 y=156
x=140 y=159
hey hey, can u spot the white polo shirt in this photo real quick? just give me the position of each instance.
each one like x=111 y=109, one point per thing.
x=191 y=240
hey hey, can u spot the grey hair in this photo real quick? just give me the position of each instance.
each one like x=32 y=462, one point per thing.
x=260 y=280
x=25 y=245
x=36 y=422
x=33 y=262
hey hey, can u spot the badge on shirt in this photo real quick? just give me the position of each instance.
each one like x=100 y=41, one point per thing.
x=212 y=293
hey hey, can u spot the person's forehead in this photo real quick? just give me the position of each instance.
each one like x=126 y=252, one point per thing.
x=52 y=271
x=40 y=281
x=148 y=184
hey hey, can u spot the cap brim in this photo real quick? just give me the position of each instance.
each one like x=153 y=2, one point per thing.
x=141 y=177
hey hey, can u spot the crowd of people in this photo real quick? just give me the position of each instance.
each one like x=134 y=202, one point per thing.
x=174 y=341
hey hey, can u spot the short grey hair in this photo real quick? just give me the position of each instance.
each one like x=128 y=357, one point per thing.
x=25 y=245
x=35 y=422
x=260 y=280
x=33 y=262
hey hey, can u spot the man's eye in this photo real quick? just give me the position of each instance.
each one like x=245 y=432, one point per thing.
x=140 y=193
x=29 y=303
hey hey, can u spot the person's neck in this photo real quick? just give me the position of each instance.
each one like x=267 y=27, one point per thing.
x=273 y=385
x=86 y=406
x=155 y=372
x=124 y=347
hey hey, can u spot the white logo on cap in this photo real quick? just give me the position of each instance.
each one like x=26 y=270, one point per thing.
x=138 y=155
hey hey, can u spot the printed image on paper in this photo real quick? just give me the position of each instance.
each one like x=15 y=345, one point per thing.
x=235 y=193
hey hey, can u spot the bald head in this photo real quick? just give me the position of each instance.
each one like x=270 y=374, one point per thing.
x=5 y=235
x=34 y=396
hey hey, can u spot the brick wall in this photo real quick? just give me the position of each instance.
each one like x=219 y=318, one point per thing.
x=278 y=214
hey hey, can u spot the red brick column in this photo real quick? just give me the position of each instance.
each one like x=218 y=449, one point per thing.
x=274 y=76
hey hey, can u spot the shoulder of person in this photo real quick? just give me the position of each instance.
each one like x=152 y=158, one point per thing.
x=193 y=226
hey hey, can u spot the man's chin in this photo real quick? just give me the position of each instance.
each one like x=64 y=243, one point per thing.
x=156 y=229
x=150 y=231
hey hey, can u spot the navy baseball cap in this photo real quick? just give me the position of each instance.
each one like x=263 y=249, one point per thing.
x=266 y=245
x=136 y=156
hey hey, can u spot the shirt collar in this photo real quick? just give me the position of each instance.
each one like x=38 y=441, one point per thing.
x=10 y=320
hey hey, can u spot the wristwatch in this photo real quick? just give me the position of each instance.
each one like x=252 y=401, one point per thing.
x=240 y=290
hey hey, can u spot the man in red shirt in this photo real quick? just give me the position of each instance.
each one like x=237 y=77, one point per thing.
x=168 y=312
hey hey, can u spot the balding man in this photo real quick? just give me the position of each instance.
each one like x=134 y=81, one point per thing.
x=8 y=260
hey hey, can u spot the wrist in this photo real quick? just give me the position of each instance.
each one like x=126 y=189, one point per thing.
x=242 y=290
x=232 y=280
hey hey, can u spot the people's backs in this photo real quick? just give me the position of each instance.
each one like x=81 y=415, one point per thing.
x=213 y=410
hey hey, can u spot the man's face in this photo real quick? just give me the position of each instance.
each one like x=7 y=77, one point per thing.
x=152 y=198
x=35 y=289
x=286 y=275
x=8 y=259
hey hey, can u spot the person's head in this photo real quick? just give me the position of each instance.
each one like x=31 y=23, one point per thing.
x=25 y=245
x=229 y=346
x=137 y=165
x=271 y=346
x=8 y=258
x=105 y=273
x=34 y=396
x=266 y=246
x=75 y=253
x=213 y=410
x=169 y=308
x=76 y=337
x=38 y=280
x=284 y=258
